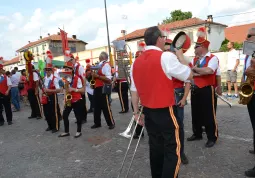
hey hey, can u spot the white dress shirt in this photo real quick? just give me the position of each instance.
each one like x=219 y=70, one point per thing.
x=9 y=82
x=35 y=76
x=170 y=65
x=79 y=83
x=15 y=79
x=213 y=63
x=88 y=89
x=81 y=70
x=106 y=70
x=48 y=79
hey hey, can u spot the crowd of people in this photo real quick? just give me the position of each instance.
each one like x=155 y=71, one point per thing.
x=162 y=96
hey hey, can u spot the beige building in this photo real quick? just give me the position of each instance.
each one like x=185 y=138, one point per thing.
x=52 y=43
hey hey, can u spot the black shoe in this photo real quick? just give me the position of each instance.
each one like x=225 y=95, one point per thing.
x=38 y=117
x=184 y=159
x=122 y=112
x=2 y=123
x=90 y=111
x=95 y=126
x=136 y=136
x=54 y=130
x=48 y=129
x=111 y=127
x=77 y=136
x=251 y=151
x=193 y=138
x=64 y=135
x=10 y=123
x=209 y=144
x=31 y=117
x=250 y=172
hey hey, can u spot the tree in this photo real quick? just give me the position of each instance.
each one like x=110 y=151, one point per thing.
x=177 y=15
x=224 y=44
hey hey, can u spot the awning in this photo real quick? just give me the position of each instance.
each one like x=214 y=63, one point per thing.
x=57 y=63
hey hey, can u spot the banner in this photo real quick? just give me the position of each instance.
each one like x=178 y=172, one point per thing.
x=63 y=35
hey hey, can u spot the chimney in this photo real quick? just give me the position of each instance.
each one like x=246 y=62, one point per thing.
x=40 y=37
x=74 y=36
x=48 y=34
x=123 y=33
x=28 y=41
x=58 y=33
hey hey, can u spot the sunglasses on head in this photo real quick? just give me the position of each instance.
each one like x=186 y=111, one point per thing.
x=249 y=35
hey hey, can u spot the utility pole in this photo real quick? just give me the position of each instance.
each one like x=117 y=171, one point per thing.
x=108 y=38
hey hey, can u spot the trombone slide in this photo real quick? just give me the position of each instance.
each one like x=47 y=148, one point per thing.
x=223 y=99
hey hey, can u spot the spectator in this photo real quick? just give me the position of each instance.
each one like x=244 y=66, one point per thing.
x=15 y=97
x=23 y=92
x=232 y=64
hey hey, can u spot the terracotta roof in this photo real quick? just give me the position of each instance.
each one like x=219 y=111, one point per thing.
x=174 y=25
x=238 y=33
x=12 y=61
x=52 y=38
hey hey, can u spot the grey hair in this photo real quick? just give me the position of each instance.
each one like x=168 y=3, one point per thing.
x=104 y=55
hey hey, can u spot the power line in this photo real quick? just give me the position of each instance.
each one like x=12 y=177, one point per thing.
x=234 y=14
x=241 y=22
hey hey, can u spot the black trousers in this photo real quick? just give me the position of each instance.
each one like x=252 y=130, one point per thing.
x=5 y=101
x=215 y=103
x=203 y=112
x=102 y=103
x=91 y=100
x=51 y=112
x=85 y=112
x=122 y=88
x=251 y=110
x=35 y=104
x=77 y=108
x=164 y=142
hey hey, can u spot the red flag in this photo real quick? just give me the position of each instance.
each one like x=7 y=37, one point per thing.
x=63 y=35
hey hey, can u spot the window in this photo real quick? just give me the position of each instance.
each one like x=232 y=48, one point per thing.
x=37 y=49
x=43 y=46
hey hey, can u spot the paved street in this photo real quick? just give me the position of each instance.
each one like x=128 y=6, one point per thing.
x=27 y=151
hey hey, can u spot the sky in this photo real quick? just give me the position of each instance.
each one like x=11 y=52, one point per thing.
x=27 y=20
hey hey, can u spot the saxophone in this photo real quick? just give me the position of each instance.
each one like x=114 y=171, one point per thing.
x=68 y=96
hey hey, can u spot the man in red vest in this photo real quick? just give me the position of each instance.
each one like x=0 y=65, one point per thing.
x=79 y=71
x=5 y=101
x=249 y=71
x=156 y=94
x=49 y=97
x=73 y=88
x=202 y=95
x=101 y=92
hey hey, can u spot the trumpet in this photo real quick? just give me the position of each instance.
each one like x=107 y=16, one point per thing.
x=246 y=91
x=68 y=96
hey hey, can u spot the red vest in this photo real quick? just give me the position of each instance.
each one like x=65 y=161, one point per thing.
x=31 y=81
x=177 y=83
x=154 y=88
x=205 y=80
x=52 y=86
x=100 y=83
x=75 y=95
x=77 y=73
x=3 y=85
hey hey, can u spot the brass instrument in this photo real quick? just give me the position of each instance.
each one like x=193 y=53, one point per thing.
x=93 y=81
x=246 y=91
x=68 y=96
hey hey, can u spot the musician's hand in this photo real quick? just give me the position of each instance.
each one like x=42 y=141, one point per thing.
x=196 y=74
x=71 y=89
x=218 y=90
x=250 y=72
x=95 y=75
x=179 y=53
x=182 y=103
x=46 y=90
x=7 y=93
x=141 y=120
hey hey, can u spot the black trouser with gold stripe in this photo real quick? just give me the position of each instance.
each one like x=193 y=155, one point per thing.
x=101 y=102
x=85 y=112
x=122 y=88
x=251 y=110
x=77 y=108
x=203 y=112
x=5 y=101
x=35 y=104
x=164 y=143
x=51 y=112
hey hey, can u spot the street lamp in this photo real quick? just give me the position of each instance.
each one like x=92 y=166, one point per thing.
x=208 y=22
x=108 y=38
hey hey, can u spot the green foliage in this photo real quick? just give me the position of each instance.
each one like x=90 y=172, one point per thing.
x=224 y=44
x=177 y=15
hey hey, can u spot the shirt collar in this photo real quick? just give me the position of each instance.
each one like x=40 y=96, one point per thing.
x=152 y=47
x=208 y=54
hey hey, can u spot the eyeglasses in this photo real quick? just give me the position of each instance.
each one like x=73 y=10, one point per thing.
x=164 y=37
x=249 y=35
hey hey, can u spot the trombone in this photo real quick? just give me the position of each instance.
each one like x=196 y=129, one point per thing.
x=133 y=156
